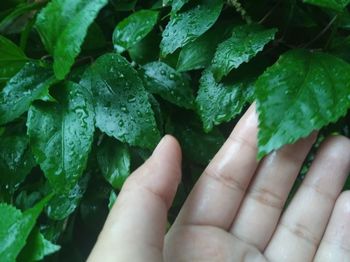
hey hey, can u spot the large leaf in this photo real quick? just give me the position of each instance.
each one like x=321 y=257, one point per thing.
x=220 y=102
x=12 y=59
x=161 y=79
x=176 y=5
x=114 y=161
x=61 y=135
x=15 y=227
x=63 y=25
x=187 y=26
x=198 y=54
x=302 y=92
x=31 y=83
x=16 y=160
x=121 y=102
x=245 y=42
x=133 y=29
x=338 y=5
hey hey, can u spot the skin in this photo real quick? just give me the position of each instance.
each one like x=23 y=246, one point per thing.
x=234 y=212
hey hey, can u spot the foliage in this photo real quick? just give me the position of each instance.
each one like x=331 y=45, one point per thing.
x=88 y=87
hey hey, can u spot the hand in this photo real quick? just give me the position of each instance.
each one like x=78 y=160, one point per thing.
x=234 y=211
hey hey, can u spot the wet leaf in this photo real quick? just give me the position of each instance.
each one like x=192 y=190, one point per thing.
x=332 y=4
x=161 y=79
x=303 y=91
x=61 y=135
x=29 y=84
x=63 y=25
x=133 y=29
x=187 y=26
x=220 y=102
x=121 y=102
x=246 y=41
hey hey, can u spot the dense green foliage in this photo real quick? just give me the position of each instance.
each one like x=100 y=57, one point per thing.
x=88 y=88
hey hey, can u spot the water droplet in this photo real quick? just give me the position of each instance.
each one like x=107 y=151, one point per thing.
x=121 y=123
x=172 y=76
x=124 y=109
x=162 y=72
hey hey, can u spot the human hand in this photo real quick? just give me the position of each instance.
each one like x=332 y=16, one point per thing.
x=234 y=211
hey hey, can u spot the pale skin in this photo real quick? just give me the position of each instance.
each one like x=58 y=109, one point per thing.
x=235 y=211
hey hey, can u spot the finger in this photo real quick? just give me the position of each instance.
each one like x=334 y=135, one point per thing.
x=261 y=208
x=218 y=193
x=302 y=226
x=135 y=227
x=335 y=244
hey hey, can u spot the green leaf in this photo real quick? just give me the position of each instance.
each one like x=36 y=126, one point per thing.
x=146 y=50
x=198 y=54
x=302 y=92
x=187 y=26
x=12 y=59
x=114 y=160
x=112 y=198
x=63 y=204
x=246 y=41
x=63 y=25
x=121 y=102
x=133 y=29
x=61 y=135
x=15 y=227
x=29 y=84
x=37 y=247
x=16 y=160
x=161 y=79
x=337 y=5
x=124 y=5
x=220 y=102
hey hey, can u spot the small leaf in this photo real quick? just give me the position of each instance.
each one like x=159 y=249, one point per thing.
x=198 y=54
x=133 y=29
x=161 y=79
x=63 y=25
x=121 y=102
x=15 y=227
x=303 y=91
x=61 y=136
x=187 y=26
x=112 y=198
x=37 y=247
x=114 y=161
x=16 y=160
x=220 y=102
x=63 y=204
x=29 y=84
x=337 y=5
x=245 y=42
x=176 y=5
x=12 y=59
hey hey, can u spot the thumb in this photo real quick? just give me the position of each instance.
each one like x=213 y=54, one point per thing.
x=135 y=227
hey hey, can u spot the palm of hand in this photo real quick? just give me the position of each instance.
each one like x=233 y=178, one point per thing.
x=234 y=212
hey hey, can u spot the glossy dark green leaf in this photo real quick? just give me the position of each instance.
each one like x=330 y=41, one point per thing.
x=15 y=227
x=198 y=54
x=124 y=5
x=332 y=4
x=63 y=25
x=133 y=29
x=37 y=247
x=12 y=59
x=114 y=161
x=302 y=92
x=63 y=204
x=29 y=84
x=146 y=50
x=121 y=102
x=220 y=102
x=61 y=135
x=16 y=160
x=176 y=5
x=112 y=199
x=187 y=26
x=161 y=79
x=246 y=41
